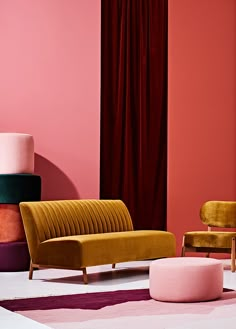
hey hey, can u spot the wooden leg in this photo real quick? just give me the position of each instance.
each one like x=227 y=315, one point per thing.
x=85 y=277
x=183 y=248
x=233 y=255
x=31 y=269
x=113 y=265
x=208 y=255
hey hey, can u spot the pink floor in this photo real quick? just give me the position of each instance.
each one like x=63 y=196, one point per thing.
x=133 y=275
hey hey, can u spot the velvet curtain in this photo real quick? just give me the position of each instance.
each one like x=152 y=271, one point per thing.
x=133 y=164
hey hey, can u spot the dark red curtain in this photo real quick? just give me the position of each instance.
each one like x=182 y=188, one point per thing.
x=134 y=108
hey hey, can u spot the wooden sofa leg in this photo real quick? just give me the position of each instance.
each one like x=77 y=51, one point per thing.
x=31 y=269
x=85 y=276
x=233 y=255
x=113 y=265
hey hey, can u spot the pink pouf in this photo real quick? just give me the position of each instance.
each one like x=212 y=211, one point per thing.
x=186 y=279
x=16 y=153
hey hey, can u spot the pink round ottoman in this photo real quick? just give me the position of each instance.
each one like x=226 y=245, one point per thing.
x=16 y=153
x=186 y=279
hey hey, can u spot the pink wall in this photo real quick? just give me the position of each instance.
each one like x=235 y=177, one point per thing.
x=50 y=88
x=202 y=109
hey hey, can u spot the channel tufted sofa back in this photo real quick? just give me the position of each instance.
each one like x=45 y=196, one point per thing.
x=76 y=234
x=53 y=219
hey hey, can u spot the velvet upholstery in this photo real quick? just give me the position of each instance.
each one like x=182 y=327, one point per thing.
x=11 y=226
x=16 y=153
x=186 y=280
x=14 y=256
x=19 y=187
x=218 y=214
x=209 y=239
x=108 y=248
x=79 y=233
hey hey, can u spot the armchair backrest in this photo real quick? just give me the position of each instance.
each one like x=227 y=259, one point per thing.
x=219 y=214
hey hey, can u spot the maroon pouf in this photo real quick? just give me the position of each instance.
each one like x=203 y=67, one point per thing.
x=14 y=256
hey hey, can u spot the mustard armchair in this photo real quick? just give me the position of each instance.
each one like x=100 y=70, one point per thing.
x=220 y=214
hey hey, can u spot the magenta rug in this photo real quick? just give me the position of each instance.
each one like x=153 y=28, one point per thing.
x=124 y=309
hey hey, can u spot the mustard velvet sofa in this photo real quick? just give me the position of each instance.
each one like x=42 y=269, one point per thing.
x=75 y=234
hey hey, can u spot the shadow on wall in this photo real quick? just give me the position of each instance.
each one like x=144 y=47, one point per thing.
x=55 y=184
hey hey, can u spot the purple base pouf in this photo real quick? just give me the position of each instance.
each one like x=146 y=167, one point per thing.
x=14 y=256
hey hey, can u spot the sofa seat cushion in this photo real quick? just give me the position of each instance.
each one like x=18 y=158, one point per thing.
x=105 y=248
x=209 y=239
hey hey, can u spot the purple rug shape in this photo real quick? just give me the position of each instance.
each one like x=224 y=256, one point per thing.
x=92 y=301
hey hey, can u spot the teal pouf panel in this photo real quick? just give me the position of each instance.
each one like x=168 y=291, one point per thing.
x=15 y=188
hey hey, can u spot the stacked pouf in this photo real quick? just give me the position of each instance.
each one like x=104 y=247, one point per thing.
x=17 y=183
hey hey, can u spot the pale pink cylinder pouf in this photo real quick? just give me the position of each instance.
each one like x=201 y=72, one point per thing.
x=16 y=153
x=186 y=279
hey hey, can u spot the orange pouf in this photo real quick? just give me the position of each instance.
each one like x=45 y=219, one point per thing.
x=11 y=226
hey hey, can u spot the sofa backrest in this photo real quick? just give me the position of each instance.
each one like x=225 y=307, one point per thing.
x=45 y=220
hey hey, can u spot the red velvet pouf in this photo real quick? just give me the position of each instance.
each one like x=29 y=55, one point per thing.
x=14 y=256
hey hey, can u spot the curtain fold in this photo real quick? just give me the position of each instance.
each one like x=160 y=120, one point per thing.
x=133 y=163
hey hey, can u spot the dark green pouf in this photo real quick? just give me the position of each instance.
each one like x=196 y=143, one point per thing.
x=15 y=188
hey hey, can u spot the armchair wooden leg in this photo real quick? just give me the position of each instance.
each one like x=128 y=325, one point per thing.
x=113 y=265
x=85 y=277
x=233 y=255
x=183 y=248
x=31 y=269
